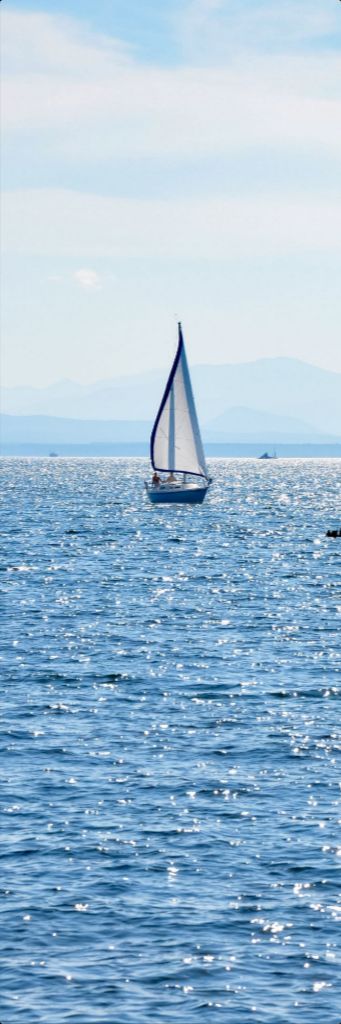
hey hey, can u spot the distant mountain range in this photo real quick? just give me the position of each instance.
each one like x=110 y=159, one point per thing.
x=54 y=430
x=235 y=425
x=269 y=401
x=242 y=424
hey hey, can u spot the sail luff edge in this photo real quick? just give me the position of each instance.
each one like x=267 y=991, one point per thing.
x=173 y=369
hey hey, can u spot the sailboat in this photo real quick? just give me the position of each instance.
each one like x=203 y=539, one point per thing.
x=175 y=443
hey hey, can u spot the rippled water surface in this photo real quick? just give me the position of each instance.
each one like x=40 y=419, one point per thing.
x=170 y=746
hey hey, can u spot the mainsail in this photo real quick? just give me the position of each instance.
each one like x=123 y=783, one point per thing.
x=175 y=444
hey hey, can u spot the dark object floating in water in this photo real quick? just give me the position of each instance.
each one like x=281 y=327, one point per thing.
x=267 y=456
x=334 y=533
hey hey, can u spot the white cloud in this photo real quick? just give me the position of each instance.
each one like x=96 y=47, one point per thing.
x=42 y=43
x=214 y=29
x=86 y=98
x=65 y=223
x=81 y=107
x=88 y=279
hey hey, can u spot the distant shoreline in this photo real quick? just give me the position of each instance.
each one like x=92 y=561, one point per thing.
x=141 y=450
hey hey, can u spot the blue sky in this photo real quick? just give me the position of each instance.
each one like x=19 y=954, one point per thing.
x=164 y=161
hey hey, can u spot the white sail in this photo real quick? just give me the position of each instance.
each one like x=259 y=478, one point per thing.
x=176 y=444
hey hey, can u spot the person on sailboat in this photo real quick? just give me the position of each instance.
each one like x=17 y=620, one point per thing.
x=156 y=479
x=171 y=479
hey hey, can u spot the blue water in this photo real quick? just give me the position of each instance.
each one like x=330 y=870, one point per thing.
x=170 y=746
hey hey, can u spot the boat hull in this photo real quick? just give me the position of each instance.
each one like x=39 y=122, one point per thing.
x=190 y=495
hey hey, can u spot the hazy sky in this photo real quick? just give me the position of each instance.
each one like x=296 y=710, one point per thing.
x=169 y=160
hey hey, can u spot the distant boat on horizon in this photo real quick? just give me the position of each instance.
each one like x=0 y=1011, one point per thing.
x=175 y=443
x=266 y=455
